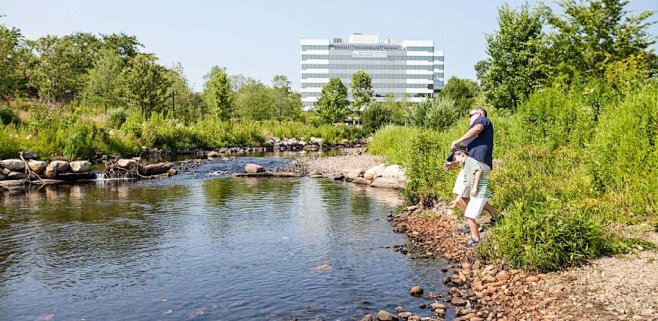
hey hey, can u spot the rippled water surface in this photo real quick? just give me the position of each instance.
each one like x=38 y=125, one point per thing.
x=204 y=247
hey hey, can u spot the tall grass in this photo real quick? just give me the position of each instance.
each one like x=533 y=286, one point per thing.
x=571 y=165
x=75 y=134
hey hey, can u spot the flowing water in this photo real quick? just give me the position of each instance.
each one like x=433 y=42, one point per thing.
x=205 y=246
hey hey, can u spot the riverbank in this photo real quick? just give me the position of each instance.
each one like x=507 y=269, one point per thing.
x=609 y=288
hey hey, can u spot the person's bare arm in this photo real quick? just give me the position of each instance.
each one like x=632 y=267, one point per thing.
x=476 y=182
x=459 y=196
x=476 y=130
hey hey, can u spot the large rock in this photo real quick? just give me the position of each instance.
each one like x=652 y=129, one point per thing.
x=55 y=168
x=15 y=165
x=154 y=169
x=391 y=177
x=374 y=171
x=361 y=180
x=253 y=168
x=37 y=166
x=394 y=171
x=16 y=175
x=31 y=155
x=2 y=177
x=127 y=163
x=214 y=154
x=388 y=182
x=386 y=316
x=352 y=173
x=80 y=166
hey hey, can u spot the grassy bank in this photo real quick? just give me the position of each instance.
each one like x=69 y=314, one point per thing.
x=573 y=165
x=78 y=133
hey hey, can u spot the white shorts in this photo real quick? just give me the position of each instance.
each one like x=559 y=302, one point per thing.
x=475 y=206
x=459 y=182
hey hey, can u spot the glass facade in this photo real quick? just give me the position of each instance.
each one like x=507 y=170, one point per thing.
x=410 y=69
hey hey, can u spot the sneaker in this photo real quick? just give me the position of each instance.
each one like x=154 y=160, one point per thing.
x=471 y=244
x=465 y=229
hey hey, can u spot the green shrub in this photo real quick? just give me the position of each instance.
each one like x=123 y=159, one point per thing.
x=547 y=236
x=375 y=116
x=7 y=116
x=117 y=117
x=623 y=155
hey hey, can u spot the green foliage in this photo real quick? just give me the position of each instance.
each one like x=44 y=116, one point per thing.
x=117 y=117
x=375 y=116
x=591 y=35
x=146 y=83
x=332 y=106
x=10 y=43
x=623 y=154
x=103 y=83
x=424 y=168
x=462 y=91
x=7 y=116
x=515 y=67
x=438 y=113
x=546 y=236
x=79 y=141
x=362 y=91
x=255 y=101
x=217 y=93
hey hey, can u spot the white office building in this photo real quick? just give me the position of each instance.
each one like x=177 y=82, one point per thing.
x=411 y=69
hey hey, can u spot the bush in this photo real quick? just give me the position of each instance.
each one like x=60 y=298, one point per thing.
x=547 y=236
x=117 y=117
x=7 y=116
x=623 y=154
x=375 y=116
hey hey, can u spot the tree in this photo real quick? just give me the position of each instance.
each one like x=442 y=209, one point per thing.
x=481 y=68
x=103 y=82
x=332 y=106
x=10 y=43
x=590 y=36
x=146 y=83
x=127 y=47
x=287 y=104
x=462 y=91
x=375 y=116
x=362 y=92
x=255 y=101
x=181 y=100
x=516 y=64
x=217 y=93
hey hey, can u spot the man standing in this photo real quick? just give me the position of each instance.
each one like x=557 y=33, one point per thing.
x=479 y=141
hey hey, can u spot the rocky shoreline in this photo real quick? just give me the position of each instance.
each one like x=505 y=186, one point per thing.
x=619 y=288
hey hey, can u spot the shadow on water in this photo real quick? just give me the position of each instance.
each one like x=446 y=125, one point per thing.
x=204 y=248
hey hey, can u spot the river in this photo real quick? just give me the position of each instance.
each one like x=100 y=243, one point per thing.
x=206 y=246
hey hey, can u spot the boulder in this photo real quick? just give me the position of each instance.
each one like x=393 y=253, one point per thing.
x=80 y=166
x=15 y=165
x=361 y=180
x=4 y=171
x=214 y=154
x=383 y=315
x=394 y=171
x=76 y=176
x=416 y=290
x=369 y=317
x=333 y=176
x=16 y=175
x=154 y=169
x=31 y=155
x=374 y=171
x=2 y=177
x=253 y=168
x=37 y=166
x=387 y=182
x=352 y=173
x=127 y=163
x=55 y=168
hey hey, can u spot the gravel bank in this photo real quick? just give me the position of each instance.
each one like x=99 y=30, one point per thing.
x=351 y=158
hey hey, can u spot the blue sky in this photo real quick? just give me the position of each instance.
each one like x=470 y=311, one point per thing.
x=260 y=39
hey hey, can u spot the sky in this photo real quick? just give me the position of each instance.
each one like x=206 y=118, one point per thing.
x=260 y=39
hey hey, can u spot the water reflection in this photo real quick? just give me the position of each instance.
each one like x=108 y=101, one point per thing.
x=202 y=249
